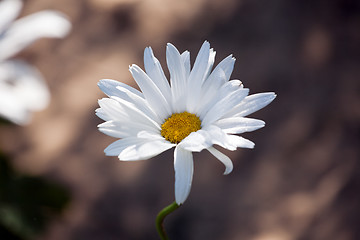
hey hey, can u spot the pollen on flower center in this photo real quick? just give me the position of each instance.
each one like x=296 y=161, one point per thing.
x=179 y=125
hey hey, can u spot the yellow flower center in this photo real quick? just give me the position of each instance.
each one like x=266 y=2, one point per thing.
x=179 y=125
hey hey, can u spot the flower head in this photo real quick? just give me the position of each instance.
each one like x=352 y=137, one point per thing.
x=199 y=108
x=22 y=88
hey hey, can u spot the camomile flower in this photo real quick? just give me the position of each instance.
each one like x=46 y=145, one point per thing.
x=22 y=88
x=198 y=109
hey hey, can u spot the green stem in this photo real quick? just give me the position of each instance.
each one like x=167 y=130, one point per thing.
x=160 y=219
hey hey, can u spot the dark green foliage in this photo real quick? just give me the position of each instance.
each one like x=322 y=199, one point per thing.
x=27 y=203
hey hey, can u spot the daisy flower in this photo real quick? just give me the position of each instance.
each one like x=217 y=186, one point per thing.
x=198 y=109
x=22 y=88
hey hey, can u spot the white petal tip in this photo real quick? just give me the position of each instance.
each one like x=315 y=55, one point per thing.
x=134 y=67
x=245 y=143
x=206 y=46
x=223 y=158
x=170 y=46
x=101 y=83
x=148 y=52
x=272 y=95
x=55 y=23
x=228 y=169
x=100 y=101
x=108 y=154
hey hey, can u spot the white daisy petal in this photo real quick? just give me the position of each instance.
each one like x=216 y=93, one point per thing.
x=214 y=95
x=251 y=104
x=133 y=148
x=22 y=91
x=115 y=148
x=241 y=142
x=137 y=113
x=224 y=105
x=30 y=28
x=238 y=125
x=151 y=92
x=120 y=129
x=178 y=78
x=145 y=150
x=196 y=141
x=9 y=10
x=123 y=92
x=203 y=64
x=184 y=168
x=102 y=114
x=217 y=78
x=222 y=158
x=205 y=138
x=226 y=65
x=209 y=94
x=150 y=135
x=185 y=57
x=26 y=83
x=155 y=72
x=121 y=110
x=22 y=88
x=110 y=88
x=110 y=109
x=115 y=129
x=221 y=139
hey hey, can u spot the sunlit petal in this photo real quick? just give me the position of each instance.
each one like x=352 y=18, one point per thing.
x=184 y=169
x=28 y=29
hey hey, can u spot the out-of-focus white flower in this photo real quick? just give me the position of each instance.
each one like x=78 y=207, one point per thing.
x=22 y=88
x=197 y=110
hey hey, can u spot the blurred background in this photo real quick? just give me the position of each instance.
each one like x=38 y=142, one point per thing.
x=302 y=180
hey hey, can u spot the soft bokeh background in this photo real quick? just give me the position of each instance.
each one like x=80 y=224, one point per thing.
x=301 y=181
